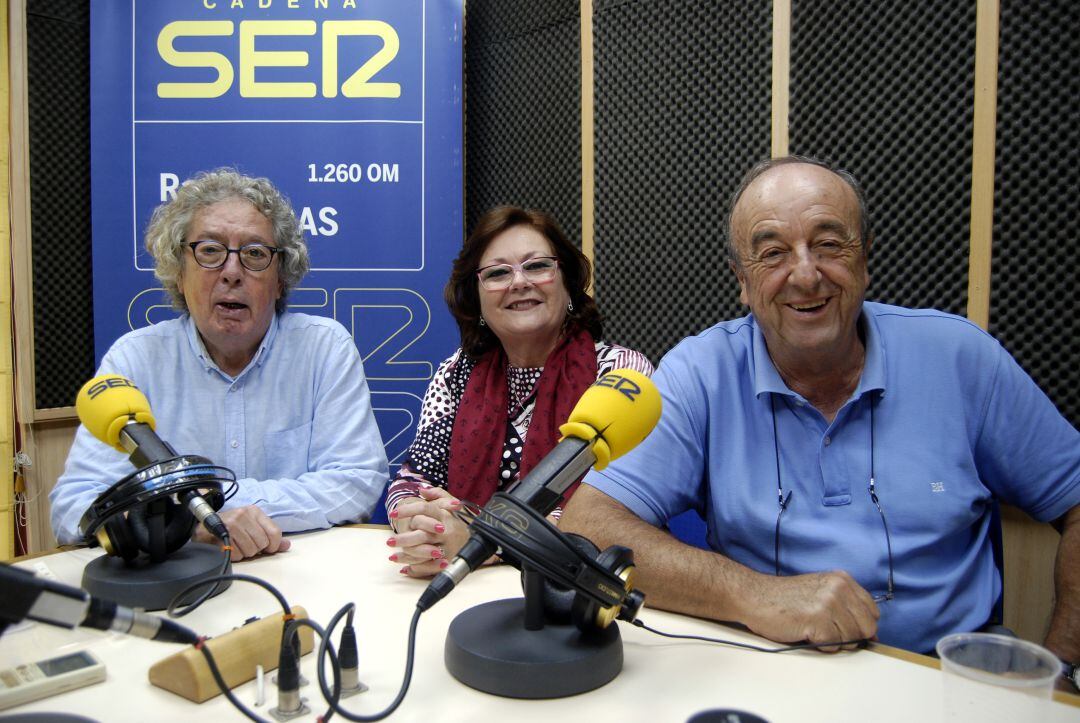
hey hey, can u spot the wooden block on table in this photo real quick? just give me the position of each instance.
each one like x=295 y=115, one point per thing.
x=236 y=653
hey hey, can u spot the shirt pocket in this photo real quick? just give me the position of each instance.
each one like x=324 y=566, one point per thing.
x=286 y=451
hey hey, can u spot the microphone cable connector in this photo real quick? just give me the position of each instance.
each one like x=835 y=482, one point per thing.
x=349 y=660
x=107 y=615
x=290 y=704
x=205 y=514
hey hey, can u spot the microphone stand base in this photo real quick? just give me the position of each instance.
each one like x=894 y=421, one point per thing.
x=489 y=649
x=152 y=586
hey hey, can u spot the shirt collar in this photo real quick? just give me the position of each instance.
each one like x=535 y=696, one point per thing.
x=199 y=348
x=768 y=379
x=874 y=369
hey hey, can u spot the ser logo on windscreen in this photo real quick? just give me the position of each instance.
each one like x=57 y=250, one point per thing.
x=626 y=387
x=106 y=384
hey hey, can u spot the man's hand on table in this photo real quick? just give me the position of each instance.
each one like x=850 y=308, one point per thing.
x=251 y=531
x=819 y=607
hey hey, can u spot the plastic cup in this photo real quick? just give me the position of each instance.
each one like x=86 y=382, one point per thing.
x=996 y=678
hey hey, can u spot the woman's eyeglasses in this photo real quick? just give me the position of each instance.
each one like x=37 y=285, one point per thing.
x=537 y=270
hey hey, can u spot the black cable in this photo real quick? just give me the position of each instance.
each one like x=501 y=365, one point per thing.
x=330 y=697
x=349 y=657
x=202 y=648
x=232 y=489
x=862 y=642
x=214 y=582
x=210 y=591
x=288 y=671
x=324 y=643
x=171 y=610
x=327 y=646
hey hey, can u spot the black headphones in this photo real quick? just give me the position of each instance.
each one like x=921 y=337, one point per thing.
x=564 y=605
x=581 y=584
x=140 y=513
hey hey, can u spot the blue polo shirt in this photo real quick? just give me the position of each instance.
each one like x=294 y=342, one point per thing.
x=956 y=423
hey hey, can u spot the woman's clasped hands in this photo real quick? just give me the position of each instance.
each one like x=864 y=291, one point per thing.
x=427 y=534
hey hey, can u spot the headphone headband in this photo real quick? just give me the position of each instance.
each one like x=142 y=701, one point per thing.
x=525 y=534
x=164 y=479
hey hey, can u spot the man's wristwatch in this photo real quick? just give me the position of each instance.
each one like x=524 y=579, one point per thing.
x=1071 y=672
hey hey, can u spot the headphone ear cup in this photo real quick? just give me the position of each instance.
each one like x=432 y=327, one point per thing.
x=160 y=527
x=179 y=525
x=586 y=613
x=116 y=538
x=558 y=601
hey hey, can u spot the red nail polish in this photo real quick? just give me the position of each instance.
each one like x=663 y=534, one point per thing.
x=436 y=553
x=404 y=570
x=393 y=558
x=393 y=514
x=440 y=528
x=391 y=542
x=443 y=565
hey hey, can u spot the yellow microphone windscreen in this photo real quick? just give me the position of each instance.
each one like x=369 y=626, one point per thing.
x=622 y=407
x=108 y=402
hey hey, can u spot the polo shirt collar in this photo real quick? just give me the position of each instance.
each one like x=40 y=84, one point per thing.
x=874 y=368
x=199 y=348
x=768 y=379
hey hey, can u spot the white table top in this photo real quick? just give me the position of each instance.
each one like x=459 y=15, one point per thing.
x=661 y=680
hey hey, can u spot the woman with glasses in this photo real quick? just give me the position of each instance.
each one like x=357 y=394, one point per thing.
x=530 y=346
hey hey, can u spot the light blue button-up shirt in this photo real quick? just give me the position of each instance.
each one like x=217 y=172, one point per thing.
x=296 y=425
x=956 y=423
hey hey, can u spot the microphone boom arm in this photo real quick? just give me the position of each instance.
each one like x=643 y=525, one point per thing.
x=542 y=488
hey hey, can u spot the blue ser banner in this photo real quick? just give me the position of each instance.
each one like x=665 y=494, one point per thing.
x=351 y=107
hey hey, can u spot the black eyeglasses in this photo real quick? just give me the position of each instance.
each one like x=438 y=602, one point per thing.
x=784 y=500
x=214 y=254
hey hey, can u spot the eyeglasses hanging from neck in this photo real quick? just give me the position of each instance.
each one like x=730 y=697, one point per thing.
x=784 y=499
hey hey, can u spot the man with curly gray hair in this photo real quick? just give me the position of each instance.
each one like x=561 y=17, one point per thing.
x=278 y=397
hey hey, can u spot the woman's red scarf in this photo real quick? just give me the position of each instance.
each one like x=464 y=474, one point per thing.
x=476 y=446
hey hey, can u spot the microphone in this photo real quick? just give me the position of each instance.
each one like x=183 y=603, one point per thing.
x=113 y=409
x=28 y=596
x=612 y=417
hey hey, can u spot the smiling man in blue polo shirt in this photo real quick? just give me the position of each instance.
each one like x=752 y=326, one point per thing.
x=845 y=454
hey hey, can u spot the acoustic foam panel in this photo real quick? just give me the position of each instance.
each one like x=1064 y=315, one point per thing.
x=523 y=108
x=886 y=90
x=1037 y=195
x=683 y=107
x=58 y=70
